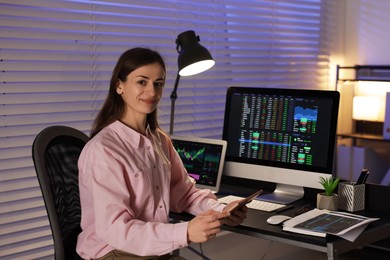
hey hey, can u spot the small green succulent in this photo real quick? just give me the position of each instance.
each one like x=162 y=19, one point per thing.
x=329 y=184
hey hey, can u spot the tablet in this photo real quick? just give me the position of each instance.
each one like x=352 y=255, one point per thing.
x=203 y=159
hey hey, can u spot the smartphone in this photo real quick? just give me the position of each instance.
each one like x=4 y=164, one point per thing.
x=245 y=201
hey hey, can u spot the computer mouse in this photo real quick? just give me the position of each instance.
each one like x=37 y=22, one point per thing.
x=277 y=219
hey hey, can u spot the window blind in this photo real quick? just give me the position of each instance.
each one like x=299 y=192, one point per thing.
x=56 y=59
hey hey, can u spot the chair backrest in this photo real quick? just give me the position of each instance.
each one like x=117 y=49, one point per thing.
x=55 y=153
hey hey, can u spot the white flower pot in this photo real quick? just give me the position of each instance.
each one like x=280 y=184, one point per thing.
x=327 y=202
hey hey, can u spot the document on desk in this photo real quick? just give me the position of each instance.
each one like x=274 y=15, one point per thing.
x=319 y=222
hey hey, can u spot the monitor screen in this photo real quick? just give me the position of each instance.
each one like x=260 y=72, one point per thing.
x=285 y=136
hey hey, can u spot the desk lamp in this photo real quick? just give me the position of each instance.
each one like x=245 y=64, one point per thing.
x=366 y=108
x=193 y=59
x=368 y=115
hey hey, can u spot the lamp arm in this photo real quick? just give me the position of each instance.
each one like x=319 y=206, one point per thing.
x=173 y=99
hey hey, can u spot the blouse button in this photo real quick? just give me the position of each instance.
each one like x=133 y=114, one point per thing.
x=160 y=206
x=136 y=175
x=147 y=147
x=157 y=187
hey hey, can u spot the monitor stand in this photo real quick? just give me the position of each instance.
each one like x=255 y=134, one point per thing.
x=283 y=194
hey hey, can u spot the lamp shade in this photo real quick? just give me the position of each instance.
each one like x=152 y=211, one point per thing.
x=366 y=108
x=193 y=57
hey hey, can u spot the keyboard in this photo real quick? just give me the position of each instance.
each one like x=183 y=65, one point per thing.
x=254 y=204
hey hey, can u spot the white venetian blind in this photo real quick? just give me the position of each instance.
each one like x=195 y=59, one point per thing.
x=56 y=58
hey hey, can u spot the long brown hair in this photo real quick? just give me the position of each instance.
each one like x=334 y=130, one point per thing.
x=114 y=105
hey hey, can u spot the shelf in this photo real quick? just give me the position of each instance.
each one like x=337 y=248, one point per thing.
x=366 y=73
x=364 y=137
x=370 y=130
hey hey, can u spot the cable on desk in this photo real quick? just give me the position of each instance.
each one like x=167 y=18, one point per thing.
x=267 y=250
x=199 y=253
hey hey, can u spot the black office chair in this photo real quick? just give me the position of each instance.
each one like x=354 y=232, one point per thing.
x=55 y=153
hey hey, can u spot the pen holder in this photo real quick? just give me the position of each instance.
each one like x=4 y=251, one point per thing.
x=351 y=197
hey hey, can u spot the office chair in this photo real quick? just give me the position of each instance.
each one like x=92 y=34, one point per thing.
x=55 y=153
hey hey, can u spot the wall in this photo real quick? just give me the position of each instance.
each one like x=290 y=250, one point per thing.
x=366 y=34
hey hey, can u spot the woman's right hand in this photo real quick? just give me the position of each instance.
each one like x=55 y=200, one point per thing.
x=205 y=226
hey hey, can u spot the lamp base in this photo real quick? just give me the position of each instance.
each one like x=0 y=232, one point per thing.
x=368 y=127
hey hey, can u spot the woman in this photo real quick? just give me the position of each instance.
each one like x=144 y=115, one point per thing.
x=131 y=177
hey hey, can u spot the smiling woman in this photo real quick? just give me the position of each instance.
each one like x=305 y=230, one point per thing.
x=131 y=177
x=141 y=93
x=57 y=56
x=133 y=87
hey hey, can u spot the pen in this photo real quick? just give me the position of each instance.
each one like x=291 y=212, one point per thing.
x=366 y=177
x=284 y=208
x=362 y=177
x=305 y=208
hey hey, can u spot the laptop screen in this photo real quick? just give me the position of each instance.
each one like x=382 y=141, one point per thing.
x=203 y=159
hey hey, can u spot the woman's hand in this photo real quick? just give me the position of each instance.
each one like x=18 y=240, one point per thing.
x=237 y=216
x=205 y=226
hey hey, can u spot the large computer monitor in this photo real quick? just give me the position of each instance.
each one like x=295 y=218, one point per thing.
x=283 y=136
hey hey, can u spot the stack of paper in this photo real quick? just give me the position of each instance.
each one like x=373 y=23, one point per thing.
x=321 y=222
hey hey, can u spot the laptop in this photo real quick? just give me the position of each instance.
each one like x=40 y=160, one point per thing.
x=203 y=159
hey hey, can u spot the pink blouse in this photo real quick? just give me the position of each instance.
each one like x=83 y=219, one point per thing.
x=128 y=185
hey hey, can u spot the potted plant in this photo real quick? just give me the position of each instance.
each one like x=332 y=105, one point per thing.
x=328 y=199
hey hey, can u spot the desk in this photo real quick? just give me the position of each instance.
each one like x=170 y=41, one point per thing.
x=255 y=225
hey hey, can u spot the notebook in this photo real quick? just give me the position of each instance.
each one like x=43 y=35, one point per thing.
x=203 y=159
